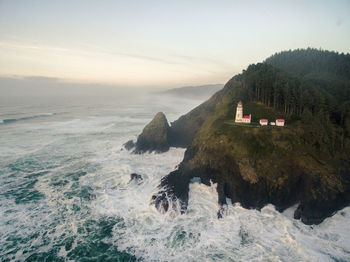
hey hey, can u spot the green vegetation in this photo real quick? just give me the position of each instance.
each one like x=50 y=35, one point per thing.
x=318 y=124
x=310 y=88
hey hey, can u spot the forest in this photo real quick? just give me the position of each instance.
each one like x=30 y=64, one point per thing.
x=310 y=85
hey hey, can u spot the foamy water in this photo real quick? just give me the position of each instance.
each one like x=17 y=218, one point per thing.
x=65 y=195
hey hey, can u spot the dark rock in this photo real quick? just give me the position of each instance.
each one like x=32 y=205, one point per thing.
x=129 y=145
x=154 y=137
x=316 y=210
x=166 y=199
x=316 y=199
x=135 y=178
x=298 y=212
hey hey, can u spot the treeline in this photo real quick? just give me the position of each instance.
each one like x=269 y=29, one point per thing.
x=289 y=94
x=313 y=63
x=324 y=75
x=311 y=85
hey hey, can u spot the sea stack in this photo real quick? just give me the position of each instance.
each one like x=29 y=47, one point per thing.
x=155 y=136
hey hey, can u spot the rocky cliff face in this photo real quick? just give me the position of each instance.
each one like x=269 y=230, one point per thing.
x=277 y=177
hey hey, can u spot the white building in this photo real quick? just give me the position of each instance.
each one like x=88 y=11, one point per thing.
x=272 y=123
x=263 y=122
x=280 y=122
x=240 y=118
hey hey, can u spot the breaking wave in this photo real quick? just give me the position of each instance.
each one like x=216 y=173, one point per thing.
x=12 y=120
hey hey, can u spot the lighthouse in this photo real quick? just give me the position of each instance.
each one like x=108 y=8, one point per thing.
x=239 y=114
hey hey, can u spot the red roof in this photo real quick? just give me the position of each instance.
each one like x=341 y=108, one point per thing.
x=246 y=117
x=279 y=120
x=240 y=102
x=264 y=120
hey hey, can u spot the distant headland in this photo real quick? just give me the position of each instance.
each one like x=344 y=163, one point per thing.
x=305 y=163
x=201 y=91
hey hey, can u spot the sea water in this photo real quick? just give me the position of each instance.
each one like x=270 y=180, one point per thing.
x=66 y=195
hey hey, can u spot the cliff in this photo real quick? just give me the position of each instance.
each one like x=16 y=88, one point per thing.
x=305 y=163
x=259 y=165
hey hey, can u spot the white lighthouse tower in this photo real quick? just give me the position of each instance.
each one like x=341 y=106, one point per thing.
x=239 y=114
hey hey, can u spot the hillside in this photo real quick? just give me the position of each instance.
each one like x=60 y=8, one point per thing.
x=305 y=163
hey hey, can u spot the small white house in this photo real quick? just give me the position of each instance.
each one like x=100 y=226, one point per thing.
x=280 y=122
x=263 y=122
x=272 y=123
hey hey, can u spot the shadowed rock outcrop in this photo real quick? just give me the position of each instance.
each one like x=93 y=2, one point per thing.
x=155 y=136
x=317 y=195
x=129 y=145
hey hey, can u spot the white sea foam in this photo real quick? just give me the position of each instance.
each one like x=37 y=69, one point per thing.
x=241 y=235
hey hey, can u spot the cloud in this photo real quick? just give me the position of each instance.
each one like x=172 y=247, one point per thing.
x=41 y=78
x=14 y=45
x=173 y=58
x=88 y=50
x=86 y=62
x=98 y=49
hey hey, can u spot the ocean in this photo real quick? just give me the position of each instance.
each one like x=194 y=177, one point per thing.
x=65 y=193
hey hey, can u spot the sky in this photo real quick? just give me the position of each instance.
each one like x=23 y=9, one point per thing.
x=160 y=43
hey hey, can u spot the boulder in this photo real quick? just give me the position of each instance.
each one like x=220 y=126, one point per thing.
x=135 y=178
x=129 y=145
